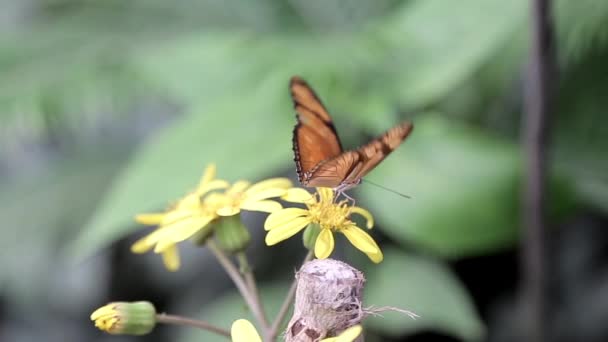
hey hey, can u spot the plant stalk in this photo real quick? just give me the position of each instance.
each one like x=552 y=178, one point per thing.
x=178 y=320
x=541 y=77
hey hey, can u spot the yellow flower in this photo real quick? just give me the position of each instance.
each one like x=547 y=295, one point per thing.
x=347 y=335
x=193 y=213
x=243 y=331
x=243 y=196
x=124 y=318
x=330 y=217
x=185 y=218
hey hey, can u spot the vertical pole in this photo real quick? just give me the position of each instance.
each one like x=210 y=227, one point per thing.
x=541 y=78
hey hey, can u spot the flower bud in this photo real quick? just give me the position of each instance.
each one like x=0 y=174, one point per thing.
x=231 y=234
x=310 y=236
x=125 y=318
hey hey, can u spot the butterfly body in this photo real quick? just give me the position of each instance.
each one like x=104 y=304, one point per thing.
x=318 y=153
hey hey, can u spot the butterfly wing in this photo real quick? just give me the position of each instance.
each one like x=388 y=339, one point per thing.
x=315 y=139
x=347 y=169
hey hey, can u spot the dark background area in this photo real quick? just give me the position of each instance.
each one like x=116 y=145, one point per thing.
x=113 y=108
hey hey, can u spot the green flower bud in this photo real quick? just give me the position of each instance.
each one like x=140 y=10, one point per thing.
x=310 y=236
x=231 y=234
x=125 y=318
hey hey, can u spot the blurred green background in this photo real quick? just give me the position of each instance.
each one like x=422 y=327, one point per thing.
x=111 y=108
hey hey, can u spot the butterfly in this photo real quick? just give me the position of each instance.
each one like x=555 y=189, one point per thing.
x=320 y=159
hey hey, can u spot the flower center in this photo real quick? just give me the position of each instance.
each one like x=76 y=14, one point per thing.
x=332 y=216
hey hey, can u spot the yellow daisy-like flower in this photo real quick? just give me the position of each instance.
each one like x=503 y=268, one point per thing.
x=179 y=222
x=330 y=217
x=193 y=213
x=243 y=331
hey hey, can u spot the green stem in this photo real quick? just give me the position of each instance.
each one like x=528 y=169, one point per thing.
x=179 y=320
x=238 y=281
x=247 y=272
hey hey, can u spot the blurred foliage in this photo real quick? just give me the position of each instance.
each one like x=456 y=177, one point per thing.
x=425 y=287
x=111 y=73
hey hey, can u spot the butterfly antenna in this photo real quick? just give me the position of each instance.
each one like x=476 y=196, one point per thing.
x=385 y=188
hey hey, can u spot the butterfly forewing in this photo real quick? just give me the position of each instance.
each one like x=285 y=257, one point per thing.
x=376 y=150
x=304 y=97
x=314 y=138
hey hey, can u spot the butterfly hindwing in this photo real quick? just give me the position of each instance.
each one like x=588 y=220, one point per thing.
x=350 y=166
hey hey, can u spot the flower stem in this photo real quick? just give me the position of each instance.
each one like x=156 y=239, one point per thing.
x=234 y=274
x=247 y=272
x=274 y=330
x=178 y=320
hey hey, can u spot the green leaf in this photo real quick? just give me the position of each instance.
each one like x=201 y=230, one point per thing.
x=245 y=138
x=580 y=38
x=578 y=141
x=464 y=188
x=427 y=288
x=230 y=307
x=439 y=44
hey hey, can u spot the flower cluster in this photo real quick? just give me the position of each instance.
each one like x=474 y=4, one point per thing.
x=194 y=214
x=213 y=209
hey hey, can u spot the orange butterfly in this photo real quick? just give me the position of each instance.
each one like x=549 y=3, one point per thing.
x=320 y=159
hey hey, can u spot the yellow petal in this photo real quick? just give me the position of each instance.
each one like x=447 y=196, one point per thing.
x=366 y=214
x=238 y=187
x=212 y=185
x=324 y=244
x=243 y=331
x=363 y=242
x=150 y=219
x=188 y=202
x=272 y=183
x=281 y=217
x=286 y=230
x=105 y=311
x=147 y=242
x=186 y=230
x=326 y=194
x=208 y=175
x=216 y=200
x=141 y=246
x=265 y=194
x=348 y=335
x=228 y=210
x=360 y=239
x=376 y=257
x=171 y=258
x=298 y=195
x=267 y=206
x=175 y=216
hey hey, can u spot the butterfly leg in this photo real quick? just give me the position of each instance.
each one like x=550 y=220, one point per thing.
x=338 y=193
